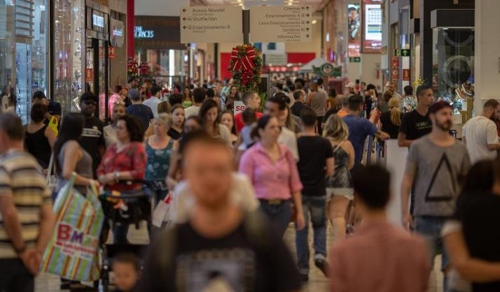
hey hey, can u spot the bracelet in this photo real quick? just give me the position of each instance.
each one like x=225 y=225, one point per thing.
x=117 y=176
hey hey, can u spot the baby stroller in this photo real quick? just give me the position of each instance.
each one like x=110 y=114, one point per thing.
x=126 y=208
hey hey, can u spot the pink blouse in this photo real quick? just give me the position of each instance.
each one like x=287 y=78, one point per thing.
x=271 y=180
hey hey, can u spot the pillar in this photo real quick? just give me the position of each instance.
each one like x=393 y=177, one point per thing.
x=487 y=52
x=130 y=28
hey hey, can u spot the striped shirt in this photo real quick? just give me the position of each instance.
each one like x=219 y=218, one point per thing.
x=22 y=178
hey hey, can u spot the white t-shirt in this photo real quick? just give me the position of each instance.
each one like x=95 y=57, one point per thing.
x=479 y=132
x=242 y=194
x=152 y=103
x=289 y=139
x=192 y=111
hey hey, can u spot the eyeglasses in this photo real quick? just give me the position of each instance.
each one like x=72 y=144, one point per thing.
x=89 y=102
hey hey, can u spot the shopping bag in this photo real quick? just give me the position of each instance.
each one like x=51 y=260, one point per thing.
x=51 y=178
x=72 y=252
x=161 y=212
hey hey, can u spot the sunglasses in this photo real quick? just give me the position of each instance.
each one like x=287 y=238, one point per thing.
x=89 y=102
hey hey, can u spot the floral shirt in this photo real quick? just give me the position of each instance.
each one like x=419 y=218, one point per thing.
x=409 y=104
x=131 y=159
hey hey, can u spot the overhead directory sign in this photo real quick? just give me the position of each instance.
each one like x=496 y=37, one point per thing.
x=280 y=24
x=214 y=24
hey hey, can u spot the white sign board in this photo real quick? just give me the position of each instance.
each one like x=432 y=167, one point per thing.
x=239 y=107
x=280 y=24
x=275 y=59
x=216 y=24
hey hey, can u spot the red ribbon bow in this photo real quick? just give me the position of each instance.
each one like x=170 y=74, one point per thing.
x=245 y=62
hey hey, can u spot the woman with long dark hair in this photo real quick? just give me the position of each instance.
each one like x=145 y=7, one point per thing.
x=227 y=119
x=70 y=157
x=39 y=137
x=209 y=116
x=124 y=161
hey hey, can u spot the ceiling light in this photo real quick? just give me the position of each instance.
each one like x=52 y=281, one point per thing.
x=314 y=21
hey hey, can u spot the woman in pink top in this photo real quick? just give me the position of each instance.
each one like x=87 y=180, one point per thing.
x=274 y=176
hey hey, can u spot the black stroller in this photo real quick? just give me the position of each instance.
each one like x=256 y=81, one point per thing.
x=126 y=208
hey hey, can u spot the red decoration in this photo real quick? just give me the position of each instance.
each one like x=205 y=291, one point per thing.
x=246 y=67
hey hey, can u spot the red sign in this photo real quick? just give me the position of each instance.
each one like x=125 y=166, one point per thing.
x=111 y=52
x=89 y=74
x=406 y=74
x=395 y=68
x=395 y=62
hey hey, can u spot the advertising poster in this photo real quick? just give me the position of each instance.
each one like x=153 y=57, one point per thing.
x=354 y=29
x=372 y=26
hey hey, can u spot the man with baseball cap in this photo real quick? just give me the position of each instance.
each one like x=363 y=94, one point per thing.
x=434 y=168
x=350 y=86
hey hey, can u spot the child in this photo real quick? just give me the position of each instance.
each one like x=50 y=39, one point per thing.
x=249 y=118
x=127 y=271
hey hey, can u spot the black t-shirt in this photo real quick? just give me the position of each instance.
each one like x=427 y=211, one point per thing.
x=330 y=112
x=200 y=263
x=480 y=217
x=313 y=152
x=92 y=139
x=143 y=113
x=297 y=107
x=54 y=108
x=388 y=126
x=414 y=125
x=172 y=133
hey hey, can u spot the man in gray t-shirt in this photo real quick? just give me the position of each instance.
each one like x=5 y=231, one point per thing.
x=435 y=167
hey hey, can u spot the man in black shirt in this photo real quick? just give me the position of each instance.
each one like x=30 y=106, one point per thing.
x=299 y=95
x=93 y=132
x=416 y=123
x=142 y=112
x=315 y=163
x=220 y=248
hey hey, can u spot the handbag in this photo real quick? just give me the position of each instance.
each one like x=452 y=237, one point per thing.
x=72 y=252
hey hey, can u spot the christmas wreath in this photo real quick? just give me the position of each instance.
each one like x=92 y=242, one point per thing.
x=246 y=67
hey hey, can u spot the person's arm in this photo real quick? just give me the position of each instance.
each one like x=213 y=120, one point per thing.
x=470 y=269
x=247 y=166
x=73 y=154
x=330 y=166
x=406 y=186
x=47 y=223
x=403 y=133
x=11 y=219
x=351 y=153
x=171 y=179
x=492 y=137
x=309 y=99
x=51 y=136
x=295 y=188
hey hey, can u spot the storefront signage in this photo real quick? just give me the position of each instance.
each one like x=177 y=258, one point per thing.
x=354 y=29
x=281 y=24
x=328 y=69
x=239 y=107
x=372 y=26
x=97 y=20
x=211 y=24
x=140 y=33
x=116 y=33
x=276 y=59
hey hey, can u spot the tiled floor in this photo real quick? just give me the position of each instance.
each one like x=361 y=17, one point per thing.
x=317 y=282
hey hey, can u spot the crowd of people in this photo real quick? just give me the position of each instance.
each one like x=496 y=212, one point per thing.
x=240 y=180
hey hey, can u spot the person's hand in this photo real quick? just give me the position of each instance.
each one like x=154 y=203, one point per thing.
x=300 y=221
x=171 y=183
x=31 y=259
x=384 y=136
x=407 y=220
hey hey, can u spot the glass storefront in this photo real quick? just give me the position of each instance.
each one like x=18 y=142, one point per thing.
x=23 y=51
x=68 y=50
x=168 y=67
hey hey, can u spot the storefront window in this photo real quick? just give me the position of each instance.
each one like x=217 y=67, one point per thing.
x=167 y=66
x=69 y=49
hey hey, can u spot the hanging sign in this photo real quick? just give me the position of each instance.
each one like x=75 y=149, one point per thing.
x=89 y=74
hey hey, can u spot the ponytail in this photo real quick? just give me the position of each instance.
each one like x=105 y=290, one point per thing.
x=396 y=116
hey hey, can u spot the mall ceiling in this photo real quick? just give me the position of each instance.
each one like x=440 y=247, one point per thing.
x=316 y=4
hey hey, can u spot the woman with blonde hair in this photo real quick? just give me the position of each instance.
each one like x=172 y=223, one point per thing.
x=339 y=186
x=391 y=120
x=159 y=149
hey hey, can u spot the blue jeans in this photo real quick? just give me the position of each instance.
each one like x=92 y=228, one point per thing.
x=429 y=227
x=316 y=206
x=278 y=215
x=120 y=234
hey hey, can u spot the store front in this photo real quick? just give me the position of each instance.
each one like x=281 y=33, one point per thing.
x=157 y=44
x=23 y=51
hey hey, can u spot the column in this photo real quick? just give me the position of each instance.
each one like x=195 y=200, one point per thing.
x=160 y=7
x=487 y=52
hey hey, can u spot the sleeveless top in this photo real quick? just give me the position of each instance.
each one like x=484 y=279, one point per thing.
x=318 y=103
x=83 y=168
x=38 y=145
x=341 y=178
x=158 y=161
